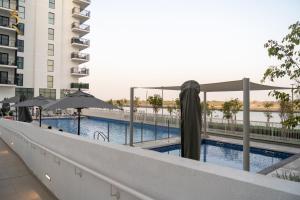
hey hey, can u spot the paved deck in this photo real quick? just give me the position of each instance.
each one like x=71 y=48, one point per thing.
x=16 y=180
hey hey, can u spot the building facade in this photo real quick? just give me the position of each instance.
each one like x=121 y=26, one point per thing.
x=42 y=47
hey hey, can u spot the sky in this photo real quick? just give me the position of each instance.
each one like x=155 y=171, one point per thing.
x=167 y=42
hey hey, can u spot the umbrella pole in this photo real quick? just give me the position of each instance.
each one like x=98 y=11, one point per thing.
x=40 y=116
x=78 y=110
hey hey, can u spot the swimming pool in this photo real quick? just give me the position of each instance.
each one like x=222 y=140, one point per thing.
x=231 y=155
x=117 y=129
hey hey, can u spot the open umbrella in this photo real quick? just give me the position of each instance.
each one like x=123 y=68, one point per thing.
x=190 y=120
x=24 y=113
x=38 y=101
x=79 y=100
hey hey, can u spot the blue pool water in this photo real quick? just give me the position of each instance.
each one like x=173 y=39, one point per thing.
x=231 y=155
x=223 y=154
x=117 y=129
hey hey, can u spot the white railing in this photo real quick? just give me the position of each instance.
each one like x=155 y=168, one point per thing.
x=75 y=168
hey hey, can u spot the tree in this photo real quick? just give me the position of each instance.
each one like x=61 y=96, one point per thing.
x=287 y=53
x=120 y=103
x=156 y=102
x=268 y=113
x=226 y=109
x=235 y=107
x=170 y=109
x=5 y=108
x=110 y=102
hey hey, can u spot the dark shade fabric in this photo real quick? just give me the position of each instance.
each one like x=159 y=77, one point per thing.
x=23 y=112
x=36 y=101
x=190 y=120
x=14 y=99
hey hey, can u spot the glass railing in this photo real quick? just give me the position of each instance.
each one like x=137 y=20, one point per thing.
x=85 y=13
x=8 y=62
x=12 y=4
x=80 y=85
x=82 y=71
x=83 y=27
x=7 y=80
x=8 y=43
x=80 y=41
x=83 y=56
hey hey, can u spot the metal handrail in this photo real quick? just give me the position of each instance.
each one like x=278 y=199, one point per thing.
x=99 y=133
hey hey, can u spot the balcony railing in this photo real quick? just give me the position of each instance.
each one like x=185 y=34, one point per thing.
x=8 y=43
x=84 y=13
x=80 y=71
x=80 y=85
x=10 y=62
x=82 y=27
x=81 y=56
x=12 y=5
x=80 y=41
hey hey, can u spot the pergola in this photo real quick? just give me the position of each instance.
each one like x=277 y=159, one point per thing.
x=243 y=85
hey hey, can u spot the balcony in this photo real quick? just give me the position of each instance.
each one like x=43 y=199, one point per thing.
x=80 y=14
x=82 y=3
x=80 y=43
x=7 y=81
x=80 y=57
x=8 y=44
x=81 y=29
x=80 y=72
x=7 y=25
x=8 y=63
x=80 y=86
x=7 y=6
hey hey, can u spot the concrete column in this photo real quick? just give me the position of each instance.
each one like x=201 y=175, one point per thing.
x=131 y=116
x=204 y=113
x=246 y=122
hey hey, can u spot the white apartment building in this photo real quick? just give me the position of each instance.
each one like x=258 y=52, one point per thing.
x=45 y=53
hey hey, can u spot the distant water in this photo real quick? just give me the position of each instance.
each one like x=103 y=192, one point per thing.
x=254 y=116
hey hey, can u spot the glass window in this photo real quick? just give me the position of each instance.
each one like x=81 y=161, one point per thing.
x=4 y=21
x=50 y=65
x=22 y=12
x=21 y=28
x=19 y=78
x=4 y=40
x=27 y=92
x=50 y=34
x=52 y=4
x=3 y=58
x=48 y=93
x=20 y=45
x=50 y=49
x=51 y=18
x=4 y=3
x=20 y=62
x=49 y=81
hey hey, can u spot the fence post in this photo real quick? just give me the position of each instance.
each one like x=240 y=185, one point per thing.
x=142 y=131
x=125 y=134
x=108 y=131
x=155 y=128
x=168 y=129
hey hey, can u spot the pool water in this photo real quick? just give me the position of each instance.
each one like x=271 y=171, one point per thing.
x=231 y=155
x=117 y=129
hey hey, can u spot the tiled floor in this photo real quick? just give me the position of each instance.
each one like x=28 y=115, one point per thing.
x=16 y=181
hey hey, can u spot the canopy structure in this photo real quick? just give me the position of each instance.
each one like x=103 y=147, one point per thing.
x=243 y=85
x=14 y=99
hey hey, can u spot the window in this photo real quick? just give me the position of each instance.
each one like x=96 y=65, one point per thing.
x=50 y=49
x=51 y=18
x=27 y=92
x=49 y=81
x=50 y=65
x=3 y=58
x=22 y=12
x=48 y=93
x=50 y=34
x=4 y=3
x=20 y=45
x=19 y=79
x=20 y=62
x=4 y=21
x=21 y=28
x=52 y=4
x=4 y=78
x=4 y=40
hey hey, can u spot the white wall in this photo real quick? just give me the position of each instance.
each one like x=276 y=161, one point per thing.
x=6 y=92
x=84 y=169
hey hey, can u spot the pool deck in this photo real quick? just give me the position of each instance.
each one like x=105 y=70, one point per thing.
x=16 y=180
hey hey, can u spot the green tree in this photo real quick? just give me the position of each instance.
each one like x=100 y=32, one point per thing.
x=110 y=102
x=226 y=109
x=287 y=54
x=235 y=107
x=177 y=103
x=156 y=102
x=5 y=108
x=170 y=110
x=267 y=112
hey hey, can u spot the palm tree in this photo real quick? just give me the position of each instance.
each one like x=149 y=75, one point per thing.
x=235 y=107
x=268 y=113
x=226 y=109
x=136 y=103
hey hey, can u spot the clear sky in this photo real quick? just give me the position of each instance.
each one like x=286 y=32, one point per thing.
x=166 y=42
